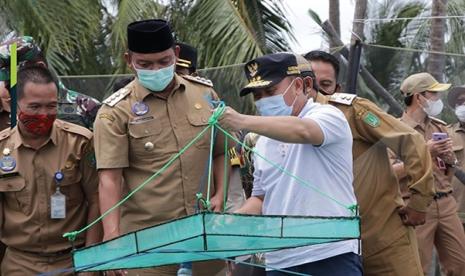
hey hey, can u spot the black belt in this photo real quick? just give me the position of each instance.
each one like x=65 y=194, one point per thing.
x=440 y=195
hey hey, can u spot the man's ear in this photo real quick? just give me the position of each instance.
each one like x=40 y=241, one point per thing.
x=308 y=81
x=177 y=49
x=127 y=58
x=299 y=84
x=338 y=88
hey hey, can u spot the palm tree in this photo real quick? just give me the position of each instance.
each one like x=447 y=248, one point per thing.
x=436 y=62
x=334 y=17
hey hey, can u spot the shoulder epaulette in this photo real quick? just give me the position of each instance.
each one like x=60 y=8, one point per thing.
x=200 y=80
x=117 y=96
x=342 y=98
x=438 y=120
x=73 y=128
x=5 y=133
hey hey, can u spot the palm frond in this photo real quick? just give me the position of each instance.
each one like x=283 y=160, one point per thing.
x=128 y=11
x=63 y=28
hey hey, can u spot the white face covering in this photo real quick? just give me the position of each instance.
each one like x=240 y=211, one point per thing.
x=433 y=108
x=460 y=113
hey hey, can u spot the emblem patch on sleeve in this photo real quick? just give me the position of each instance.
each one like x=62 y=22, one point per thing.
x=371 y=119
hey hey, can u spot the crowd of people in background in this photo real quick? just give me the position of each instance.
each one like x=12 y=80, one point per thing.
x=71 y=158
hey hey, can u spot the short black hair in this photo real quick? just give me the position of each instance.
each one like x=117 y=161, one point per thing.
x=310 y=74
x=408 y=100
x=35 y=74
x=325 y=57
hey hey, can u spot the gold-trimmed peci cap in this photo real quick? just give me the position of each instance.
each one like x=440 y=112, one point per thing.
x=269 y=70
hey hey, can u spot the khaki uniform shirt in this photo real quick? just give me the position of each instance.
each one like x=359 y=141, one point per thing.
x=142 y=144
x=376 y=186
x=27 y=188
x=442 y=177
x=457 y=133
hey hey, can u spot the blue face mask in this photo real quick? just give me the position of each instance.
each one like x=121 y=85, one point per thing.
x=275 y=105
x=155 y=80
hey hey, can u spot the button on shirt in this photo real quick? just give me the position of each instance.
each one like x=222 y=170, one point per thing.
x=327 y=167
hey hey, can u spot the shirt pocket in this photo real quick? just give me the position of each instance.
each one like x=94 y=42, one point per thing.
x=70 y=186
x=16 y=196
x=198 y=122
x=145 y=138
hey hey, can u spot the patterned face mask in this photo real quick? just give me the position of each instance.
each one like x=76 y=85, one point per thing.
x=38 y=124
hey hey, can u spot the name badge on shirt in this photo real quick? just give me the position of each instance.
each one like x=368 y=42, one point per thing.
x=58 y=200
x=441 y=164
x=58 y=205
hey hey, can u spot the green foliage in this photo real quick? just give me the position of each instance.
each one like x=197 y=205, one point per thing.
x=88 y=37
x=380 y=62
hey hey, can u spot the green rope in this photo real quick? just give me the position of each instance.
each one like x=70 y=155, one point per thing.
x=212 y=123
x=225 y=174
x=299 y=180
x=210 y=167
x=72 y=235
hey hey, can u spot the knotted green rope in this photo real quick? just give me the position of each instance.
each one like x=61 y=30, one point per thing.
x=213 y=120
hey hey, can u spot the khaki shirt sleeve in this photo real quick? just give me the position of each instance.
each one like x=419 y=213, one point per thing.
x=220 y=136
x=111 y=138
x=406 y=143
x=89 y=180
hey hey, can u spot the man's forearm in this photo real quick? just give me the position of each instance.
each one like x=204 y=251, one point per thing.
x=94 y=234
x=218 y=174
x=110 y=195
x=288 y=129
x=252 y=206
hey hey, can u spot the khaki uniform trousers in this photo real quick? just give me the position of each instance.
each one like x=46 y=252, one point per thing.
x=207 y=268
x=398 y=259
x=442 y=229
x=20 y=263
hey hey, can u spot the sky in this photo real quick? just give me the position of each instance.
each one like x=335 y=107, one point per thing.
x=307 y=33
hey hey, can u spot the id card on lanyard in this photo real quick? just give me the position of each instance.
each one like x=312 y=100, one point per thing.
x=58 y=200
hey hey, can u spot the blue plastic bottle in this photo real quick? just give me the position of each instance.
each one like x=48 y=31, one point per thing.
x=185 y=269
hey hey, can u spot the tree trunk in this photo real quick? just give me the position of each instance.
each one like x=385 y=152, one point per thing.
x=334 y=18
x=436 y=62
x=357 y=27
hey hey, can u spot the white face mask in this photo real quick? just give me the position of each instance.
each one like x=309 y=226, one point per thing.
x=275 y=105
x=433 y=108
x=460 y=113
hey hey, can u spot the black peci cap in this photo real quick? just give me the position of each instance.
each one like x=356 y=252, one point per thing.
x=149 y=36
x=187 y=56
x=269 y=70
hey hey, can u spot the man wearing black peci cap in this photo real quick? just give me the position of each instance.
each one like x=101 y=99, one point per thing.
x=311 y=141
x=141 y=126
x=186 y=63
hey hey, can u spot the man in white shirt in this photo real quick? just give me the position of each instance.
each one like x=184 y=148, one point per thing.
x=312 y=142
